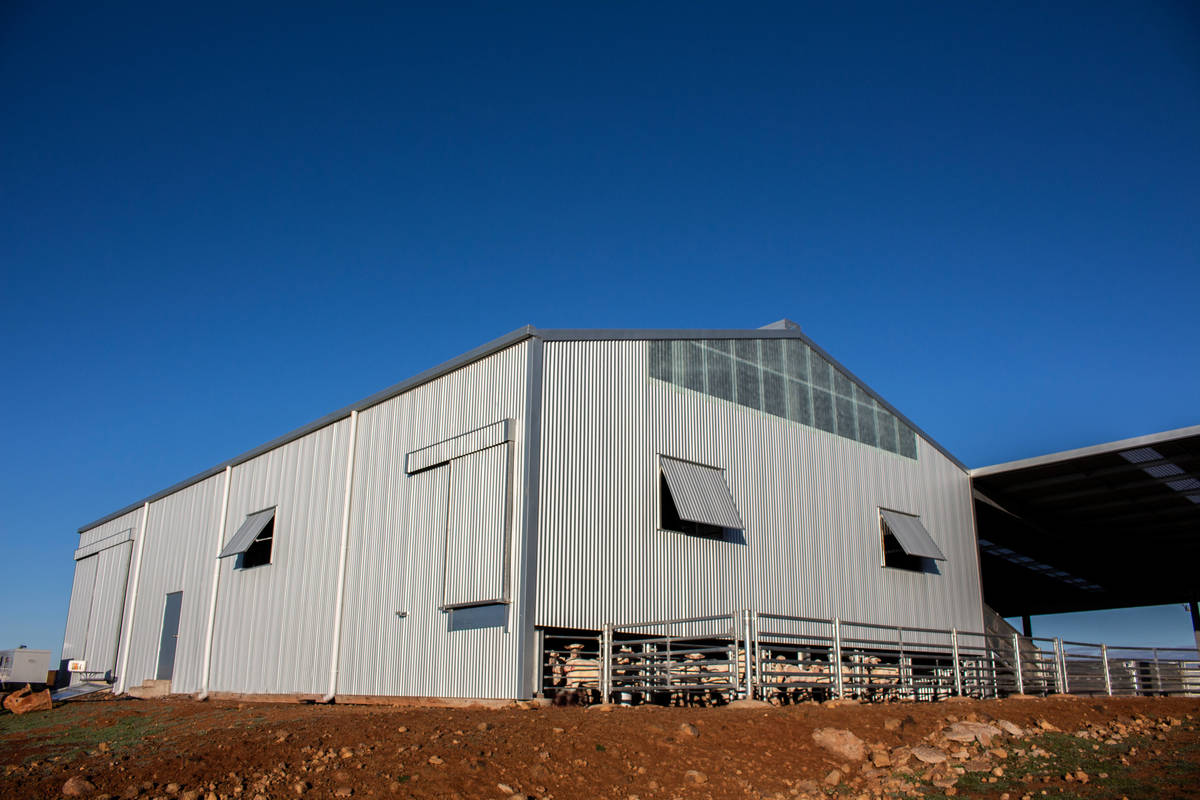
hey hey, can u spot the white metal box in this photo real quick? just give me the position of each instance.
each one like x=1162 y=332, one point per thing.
x=24 y=665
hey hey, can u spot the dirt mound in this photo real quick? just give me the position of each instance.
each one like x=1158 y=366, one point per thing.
x=185 y=750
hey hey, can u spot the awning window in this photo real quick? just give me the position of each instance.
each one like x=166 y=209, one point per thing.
x=700 y=494
x=254 y=525
x=911 y=535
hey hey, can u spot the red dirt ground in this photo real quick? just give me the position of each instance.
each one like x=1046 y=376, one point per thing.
x=180 y=748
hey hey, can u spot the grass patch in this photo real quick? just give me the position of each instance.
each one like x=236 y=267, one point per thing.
x=68 y=731
x=1175 y=770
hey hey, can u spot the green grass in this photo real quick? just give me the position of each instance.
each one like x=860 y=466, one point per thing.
x=68 y=731
x=1176 y=769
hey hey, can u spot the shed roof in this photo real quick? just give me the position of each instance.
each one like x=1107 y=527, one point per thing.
x=1107 y=526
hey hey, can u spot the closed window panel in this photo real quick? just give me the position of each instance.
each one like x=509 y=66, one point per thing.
x=720 y=375
x=797 y=360
x=660 y=360
x=477 y=528
x=772 y=354
x=748 y=393
x=746 y=349
x=799 y=403
x=689 y=365
x=845 y=417
x=842 y=385
x=774 y=394
x=907 y=440
x=823 y=410
x=819 y=369
x=885 y=430
x=866 y=424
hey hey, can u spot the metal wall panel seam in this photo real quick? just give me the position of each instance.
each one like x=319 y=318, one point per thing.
x=131 y=603
x=528 y=654
x=216 y=579
x=336 y=645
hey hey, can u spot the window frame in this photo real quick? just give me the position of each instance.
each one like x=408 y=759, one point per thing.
x=901 y=559
x=239 y=562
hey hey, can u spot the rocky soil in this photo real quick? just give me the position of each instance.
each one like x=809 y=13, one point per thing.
x=1015 y=749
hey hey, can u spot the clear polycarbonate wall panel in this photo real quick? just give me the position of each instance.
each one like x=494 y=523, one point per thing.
x=785 y=378
x=477 y=539
x=700 y=494
x=911 y=535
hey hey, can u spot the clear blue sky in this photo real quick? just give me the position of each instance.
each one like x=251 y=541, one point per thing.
x=219 y=222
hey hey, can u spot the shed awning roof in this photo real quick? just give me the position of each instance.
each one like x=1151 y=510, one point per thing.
x=700 y=493
x=911 y=535
x=1108 y=526
x=245 y=536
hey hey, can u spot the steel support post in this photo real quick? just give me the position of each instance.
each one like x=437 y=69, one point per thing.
x=958 y=686
x=1061 y=653
x=1158 y=684
x=748 y=656
x=1107 y=674
x=606 y=639
x=837 y=657
x=1016 y=639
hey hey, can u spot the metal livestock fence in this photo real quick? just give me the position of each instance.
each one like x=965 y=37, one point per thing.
x=788 y=659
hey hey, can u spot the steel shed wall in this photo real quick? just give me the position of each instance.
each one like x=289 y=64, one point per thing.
x=398 y=537
x=274 y=623
x=809 y=501
x=181 y=541
x=82 y=613
x=75 y=639
x=108 y=608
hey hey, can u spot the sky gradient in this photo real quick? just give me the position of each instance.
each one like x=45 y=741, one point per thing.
x=219 y=223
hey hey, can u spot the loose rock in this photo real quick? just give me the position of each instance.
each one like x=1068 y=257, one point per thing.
x=929 y=755
x=695 y=776
x=77 y=786
x=841 y=743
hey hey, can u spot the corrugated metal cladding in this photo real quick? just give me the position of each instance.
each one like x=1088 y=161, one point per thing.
x=700 y=493
x=478 y=537
x=98 y=593
x=396 y=553
x=459 y=446
x=809 y=501
x=274 y=623
x=181 y=540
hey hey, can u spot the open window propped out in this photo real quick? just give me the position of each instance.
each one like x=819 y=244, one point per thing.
x=694 y=499
x=253 y=541
x=906 y=543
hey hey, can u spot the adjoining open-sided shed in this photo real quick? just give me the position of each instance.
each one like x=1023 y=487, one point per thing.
x=1109 y=526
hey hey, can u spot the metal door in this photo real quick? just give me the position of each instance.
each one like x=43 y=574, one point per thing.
x=170 y=635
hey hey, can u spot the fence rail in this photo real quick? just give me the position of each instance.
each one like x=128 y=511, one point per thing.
x=787 y=659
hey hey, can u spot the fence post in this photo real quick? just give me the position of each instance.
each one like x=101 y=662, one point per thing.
x=1158 y=684
x=1107 y=673
x=1062 y=658
x=748 y=667
x=1017 y=663
x=957 y=671
x=606 y=639
x=837 y=655
x=754 y=649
